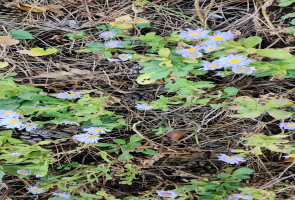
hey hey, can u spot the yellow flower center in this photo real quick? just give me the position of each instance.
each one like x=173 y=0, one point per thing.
x=111 y=44
x=124 y=56
x=71 y=95
x=292 y=155
x=99 y=129
x=217 y=38
x=147 y=107
x=290 y=125
x=192 y=55
x=243 y=69
x=210 y=48
x=37 y=190
x=7 y=112
x=235 y=61
x=194 y=34
x=212 y=65
x=90 y=136
x=13 y=121
x=191 y=49
x=251 y=105
x=62 y=195
x=229 y=159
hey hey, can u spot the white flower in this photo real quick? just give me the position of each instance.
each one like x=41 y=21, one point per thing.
x=68 y=95
x=10 y=123
x=96 y=130
x=36 y=190
x=29 y=126
x=24 y=172
x=243 y=70
x=125 y=57
x=87 y=138
x=9 y=114
x=66 y=122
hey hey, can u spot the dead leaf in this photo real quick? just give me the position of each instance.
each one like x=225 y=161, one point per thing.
x=175 y=134
x=150 y=162
x=288 y=159
x=37 y=9
x=6 y=41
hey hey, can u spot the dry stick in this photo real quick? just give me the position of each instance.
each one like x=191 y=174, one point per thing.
x=198 y=11
x=207 y=11
x=147 y=139
x=276 y=180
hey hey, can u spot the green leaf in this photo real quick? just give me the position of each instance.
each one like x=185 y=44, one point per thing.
x=277 y=103
x=273 y=53
x=251 y=114
x=93 y=196
x=159 y=75
x=58 y=198
x=119 y=141
x=73 y=36
x=252 y=41
x=21 y=34
x=2 y=173
x=164 y=52
x=279 y=114
x=243 y=171
x=231 y=91
x=285 y=3
x=3 y=64
x=135 y=138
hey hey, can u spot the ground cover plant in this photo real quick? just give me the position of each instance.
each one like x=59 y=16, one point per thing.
x=147 y=100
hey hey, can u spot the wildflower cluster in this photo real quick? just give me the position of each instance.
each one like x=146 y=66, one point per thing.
x=10 y=119
x=68 y=95
x=91 y=135
x=112 y=44
x=238 y=63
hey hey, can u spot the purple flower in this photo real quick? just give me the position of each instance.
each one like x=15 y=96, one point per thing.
x=66 y=122
x=36 y=190
x=68 y=95
x=191 y=34
x=39 y=176
x=163 y=193
x=9 y=114
x=211 y=65
x=189 y=50
x=289 y=125
x=243 y=70
x=87 y=138
x=96 y=130
x=108 y=35
x=241 y=196
x=289 y=155
x=125 y=57
x=112 y=44
x=209 y=47
x=219 y=37
x=15 y=154
x=293 y=107
x=230 y=159
x=192 y=54
x=62 y=194
x=143 y=107
x=234 y=61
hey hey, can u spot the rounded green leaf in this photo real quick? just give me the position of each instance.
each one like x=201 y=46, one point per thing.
x=3 y=64
x=273 y=53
